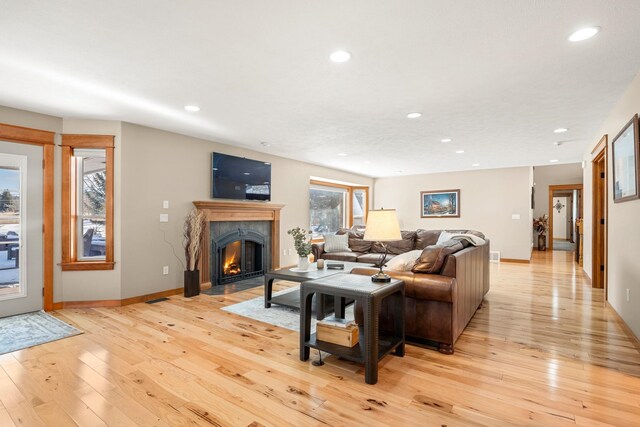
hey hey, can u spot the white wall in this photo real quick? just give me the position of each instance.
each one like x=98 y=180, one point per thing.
x=488 y=199
x=560 y=218
x=623 y=229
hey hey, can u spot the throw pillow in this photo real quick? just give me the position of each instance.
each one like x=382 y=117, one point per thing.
x=432 y=258
x=471 y=238
x=404 y=262
x=336 y=243
x=445 y=236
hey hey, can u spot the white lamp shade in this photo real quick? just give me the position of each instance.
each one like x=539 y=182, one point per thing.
x=382 y=226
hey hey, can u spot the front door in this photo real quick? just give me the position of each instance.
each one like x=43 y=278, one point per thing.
x=21 y=250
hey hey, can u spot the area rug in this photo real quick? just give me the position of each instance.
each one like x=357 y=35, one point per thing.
x=285 y=317
x=26 y=330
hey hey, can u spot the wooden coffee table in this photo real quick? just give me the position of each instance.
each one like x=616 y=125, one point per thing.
x=373 y=344
x=324 y=305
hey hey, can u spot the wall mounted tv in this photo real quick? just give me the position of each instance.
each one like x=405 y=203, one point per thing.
x=240 y=178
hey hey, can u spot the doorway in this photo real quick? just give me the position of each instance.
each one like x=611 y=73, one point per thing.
x=599 y=250
x=565 y=207
x=21 y=219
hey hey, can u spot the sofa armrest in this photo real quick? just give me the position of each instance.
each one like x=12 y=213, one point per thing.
x=432 y=287
x=317 y=249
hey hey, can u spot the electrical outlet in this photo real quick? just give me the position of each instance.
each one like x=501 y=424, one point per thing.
x=165 y=204
x=284 y=252
x=164 y=217
x=628 y=294
x=165 y=270
x=515 y=216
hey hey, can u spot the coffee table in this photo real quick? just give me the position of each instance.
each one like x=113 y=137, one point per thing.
x=292 y=298
x=373 y=344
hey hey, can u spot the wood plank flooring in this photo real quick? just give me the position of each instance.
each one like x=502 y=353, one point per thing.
x=541 y=351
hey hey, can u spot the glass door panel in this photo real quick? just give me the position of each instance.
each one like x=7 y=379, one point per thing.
x=12 y=208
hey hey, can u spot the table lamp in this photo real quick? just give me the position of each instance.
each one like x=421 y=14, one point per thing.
x=382 y=226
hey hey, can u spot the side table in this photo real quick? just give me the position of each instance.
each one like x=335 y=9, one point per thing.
x=372 y=345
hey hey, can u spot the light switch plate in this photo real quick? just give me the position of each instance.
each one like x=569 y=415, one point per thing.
x=165 y=204
x=515 y=216
x=164 y=217
x=165 y=270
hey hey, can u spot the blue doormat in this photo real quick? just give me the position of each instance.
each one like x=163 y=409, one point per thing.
x=29 y=329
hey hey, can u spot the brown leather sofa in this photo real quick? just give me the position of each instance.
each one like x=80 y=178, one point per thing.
x=438 y=306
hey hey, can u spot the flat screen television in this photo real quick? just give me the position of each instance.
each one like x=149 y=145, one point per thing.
x=240 y=178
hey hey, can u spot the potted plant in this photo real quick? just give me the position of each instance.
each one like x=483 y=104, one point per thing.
x=302 y=243
x=541 y=225
x=193 y=232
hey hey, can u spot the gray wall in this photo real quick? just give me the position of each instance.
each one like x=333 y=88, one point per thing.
x=624 y=232
x=159 y=165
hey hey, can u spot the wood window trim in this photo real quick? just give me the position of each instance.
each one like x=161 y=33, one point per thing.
x=45 y=139
x=70 y=260
x=349 y=190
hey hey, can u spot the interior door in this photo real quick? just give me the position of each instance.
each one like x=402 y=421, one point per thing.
x=21 y=245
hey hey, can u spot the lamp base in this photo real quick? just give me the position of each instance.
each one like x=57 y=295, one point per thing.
x=380 y=278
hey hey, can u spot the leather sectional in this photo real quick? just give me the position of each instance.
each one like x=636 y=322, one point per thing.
x=438 y=305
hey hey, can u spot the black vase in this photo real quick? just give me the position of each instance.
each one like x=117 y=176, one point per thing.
x=191 y=283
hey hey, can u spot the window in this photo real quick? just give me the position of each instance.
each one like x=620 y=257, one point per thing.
x=87 y=202
x=91 y=178
x=334 y=206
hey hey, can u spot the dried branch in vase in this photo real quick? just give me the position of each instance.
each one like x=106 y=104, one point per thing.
x=194 y=227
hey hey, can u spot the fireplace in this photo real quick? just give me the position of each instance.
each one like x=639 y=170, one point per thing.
x=238 y=254
x=226 y=217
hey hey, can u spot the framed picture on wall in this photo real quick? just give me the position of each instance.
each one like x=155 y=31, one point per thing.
x=440 y=204
x=625 y=163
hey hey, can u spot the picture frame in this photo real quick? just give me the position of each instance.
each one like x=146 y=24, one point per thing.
x=626 y=183
x=440 y=204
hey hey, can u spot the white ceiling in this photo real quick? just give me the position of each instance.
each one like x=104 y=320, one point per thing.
x=497 y=76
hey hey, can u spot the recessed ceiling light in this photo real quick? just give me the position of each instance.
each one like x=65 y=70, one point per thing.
x=247 y=173
x=192 y=108
x=475 y=165
x=446 y=140
x=267 y=163
x=459 y=151
x=414 y=115
x=560 y=130
x=553 y=161
x=340 y=56
x=557 y=143
x=342 y=154
x=583 y=34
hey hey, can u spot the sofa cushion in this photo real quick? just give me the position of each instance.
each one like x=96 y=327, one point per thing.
x=432 y=258
x=336 y=243
x=373 y=258
x=356 y=233
x=426 y=238
x=397 y=247
x=341 y=256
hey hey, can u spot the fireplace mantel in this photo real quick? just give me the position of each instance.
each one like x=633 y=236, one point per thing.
x=224 y=210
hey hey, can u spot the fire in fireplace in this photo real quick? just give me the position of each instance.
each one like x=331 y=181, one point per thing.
x=231 y=265
x=240 y=255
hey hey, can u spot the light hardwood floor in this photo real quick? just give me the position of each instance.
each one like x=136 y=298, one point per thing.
x=541 y=351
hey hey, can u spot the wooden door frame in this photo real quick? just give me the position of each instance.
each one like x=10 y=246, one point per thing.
x=552 y=189
x=599 y=154
x=45 y=139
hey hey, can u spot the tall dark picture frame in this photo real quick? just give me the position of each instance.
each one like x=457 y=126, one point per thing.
x=626 y=182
